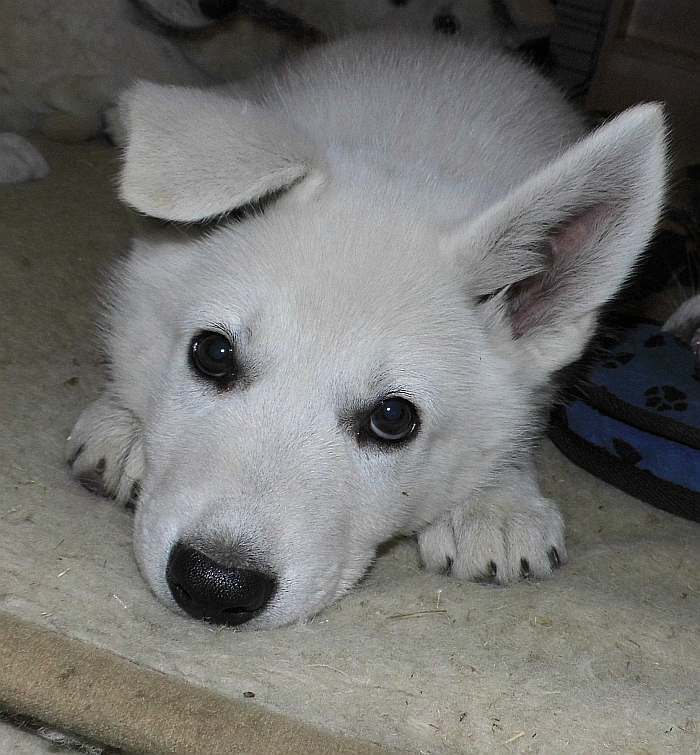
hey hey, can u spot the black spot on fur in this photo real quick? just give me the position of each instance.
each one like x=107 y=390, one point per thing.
x=538 y=52
x=217 y=9
x=445 y=23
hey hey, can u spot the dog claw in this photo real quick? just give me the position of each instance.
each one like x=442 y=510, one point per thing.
x=489 y=575
x=93 y=482
x=525 y=571
x=131 y=504
x=75 y=455
x=554 y=560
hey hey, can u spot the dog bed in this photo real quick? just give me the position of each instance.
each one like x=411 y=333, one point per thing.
x=636 y=423
x=603 y=657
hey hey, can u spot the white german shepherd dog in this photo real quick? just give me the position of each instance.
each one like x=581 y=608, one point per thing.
x=423 y=235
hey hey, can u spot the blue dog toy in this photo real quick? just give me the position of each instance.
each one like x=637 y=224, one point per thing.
x=636 y=424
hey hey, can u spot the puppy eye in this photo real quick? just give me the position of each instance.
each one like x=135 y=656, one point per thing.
x=213 y=356
x=393 y=419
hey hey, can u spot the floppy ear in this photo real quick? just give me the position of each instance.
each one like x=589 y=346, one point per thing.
x=193 y=154
x=548 y=256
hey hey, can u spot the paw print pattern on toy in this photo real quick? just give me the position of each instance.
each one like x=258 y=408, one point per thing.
x=666 y=398
x=617 y=359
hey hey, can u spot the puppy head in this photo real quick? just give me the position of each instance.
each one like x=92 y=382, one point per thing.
x=342 y=367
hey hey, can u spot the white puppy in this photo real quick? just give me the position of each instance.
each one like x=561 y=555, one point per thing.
x=367 y=347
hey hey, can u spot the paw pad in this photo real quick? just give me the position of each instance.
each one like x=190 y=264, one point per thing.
x=666 y=398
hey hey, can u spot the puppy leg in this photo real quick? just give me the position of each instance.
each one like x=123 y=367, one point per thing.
x=508 y=532
x=105 y=451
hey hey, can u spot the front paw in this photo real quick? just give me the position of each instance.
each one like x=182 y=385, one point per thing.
x=496 y=541
x=105 y=451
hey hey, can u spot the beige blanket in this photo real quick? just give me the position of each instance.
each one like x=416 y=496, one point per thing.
x=603 y=658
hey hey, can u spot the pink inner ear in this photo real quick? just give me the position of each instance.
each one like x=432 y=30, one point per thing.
x=567 y=254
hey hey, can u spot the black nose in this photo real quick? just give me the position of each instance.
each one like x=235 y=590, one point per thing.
x=216 y=9
x=210 y=591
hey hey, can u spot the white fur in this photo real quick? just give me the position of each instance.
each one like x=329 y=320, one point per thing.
x=507 y=533
x=262 y=155
x=448 y=234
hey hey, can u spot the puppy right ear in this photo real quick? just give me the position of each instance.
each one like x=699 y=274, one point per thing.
x=193 y=154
